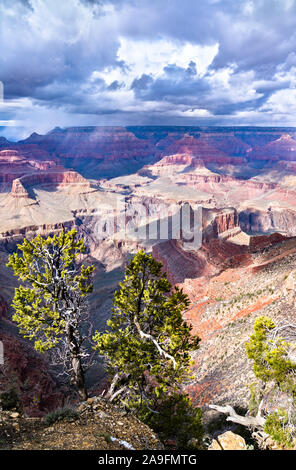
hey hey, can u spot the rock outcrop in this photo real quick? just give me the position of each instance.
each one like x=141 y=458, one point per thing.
x=96 y=151
x=18 y=190
x=3 y=308
x=199 y=148
x=45 y=179
x=180 y=264
x=271 y=220
x=283 y=148
x=112 y=151
x=228 y=441
x=23 y=170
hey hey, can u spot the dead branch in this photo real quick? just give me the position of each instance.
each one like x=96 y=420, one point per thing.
x=250 y=421
x=115 y=380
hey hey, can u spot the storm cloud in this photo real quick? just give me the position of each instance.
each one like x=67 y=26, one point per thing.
x=123 y=62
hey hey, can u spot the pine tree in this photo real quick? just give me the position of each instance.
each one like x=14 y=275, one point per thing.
x=272 y=349
x=147 y=346
x=272 y=406
x=50 y=304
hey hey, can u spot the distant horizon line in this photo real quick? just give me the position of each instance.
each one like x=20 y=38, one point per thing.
x=155 y=126
x=150 y=126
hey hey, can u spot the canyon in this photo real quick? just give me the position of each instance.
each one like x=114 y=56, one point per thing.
x=115 y=185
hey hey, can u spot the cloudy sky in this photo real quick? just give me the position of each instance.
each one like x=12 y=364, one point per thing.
x=132 y=62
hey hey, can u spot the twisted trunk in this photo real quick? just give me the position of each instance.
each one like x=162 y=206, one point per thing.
x=77 y=369
x=257 y=421
x=78 y=378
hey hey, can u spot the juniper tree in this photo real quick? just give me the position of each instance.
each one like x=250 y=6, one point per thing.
x=148 y=344
x=50 y=303
x=272 y=349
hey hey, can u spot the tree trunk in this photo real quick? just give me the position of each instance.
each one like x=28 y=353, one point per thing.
x=77 y=369
x=78 y=377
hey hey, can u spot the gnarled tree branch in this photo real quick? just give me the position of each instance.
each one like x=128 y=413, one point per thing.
x=150 y=338
x=250 y=421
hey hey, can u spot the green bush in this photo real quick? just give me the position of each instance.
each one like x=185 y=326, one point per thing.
x=106 y=436
x=274 y=367
x=276 y=425
x=176 y=419
x=60 y=414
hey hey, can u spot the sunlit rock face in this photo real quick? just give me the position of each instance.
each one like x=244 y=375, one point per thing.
x=283 y=148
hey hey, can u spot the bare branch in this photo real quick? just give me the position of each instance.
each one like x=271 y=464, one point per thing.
x=150 y=338
x=249 y=421
x=118 y=392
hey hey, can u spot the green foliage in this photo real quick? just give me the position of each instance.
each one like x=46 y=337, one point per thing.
x=50 y=305
x=106 y=436
x=175 y=419
x=148 y=343
x=67 y=413
x=273 y=366
x=255 y=397
x=276 y=425
x=270 y=356
x=250 y=447
x=45 y=266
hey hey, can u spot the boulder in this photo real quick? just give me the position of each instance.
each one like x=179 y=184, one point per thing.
x=215 y=445
x=231 y=441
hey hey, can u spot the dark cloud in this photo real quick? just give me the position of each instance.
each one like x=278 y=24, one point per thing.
x=41 y=48
x=66 y=56
x=116 y=85
x=178 y=86
x=141 y=84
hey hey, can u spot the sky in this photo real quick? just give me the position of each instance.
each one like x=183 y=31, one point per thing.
x=146 y=62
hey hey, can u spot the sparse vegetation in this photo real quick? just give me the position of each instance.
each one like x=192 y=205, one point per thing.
x=60 y=414
x=272 y=406
x=176 y=419
x=277 y=426
x=272 y=350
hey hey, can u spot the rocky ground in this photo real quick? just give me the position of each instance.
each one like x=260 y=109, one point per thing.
x=95 y=424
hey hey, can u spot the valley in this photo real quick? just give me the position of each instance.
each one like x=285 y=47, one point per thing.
x=108 y=182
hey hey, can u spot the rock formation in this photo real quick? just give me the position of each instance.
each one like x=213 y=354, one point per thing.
x=47 y=178
x=18 y=189
x=26 y=371
x=95 y=151
x=283 y=148
x=244 y=178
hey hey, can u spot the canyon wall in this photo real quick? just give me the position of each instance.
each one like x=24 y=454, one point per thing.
x=46 y=178
x=27 y=372
x=98 y=152
x=272 y=220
